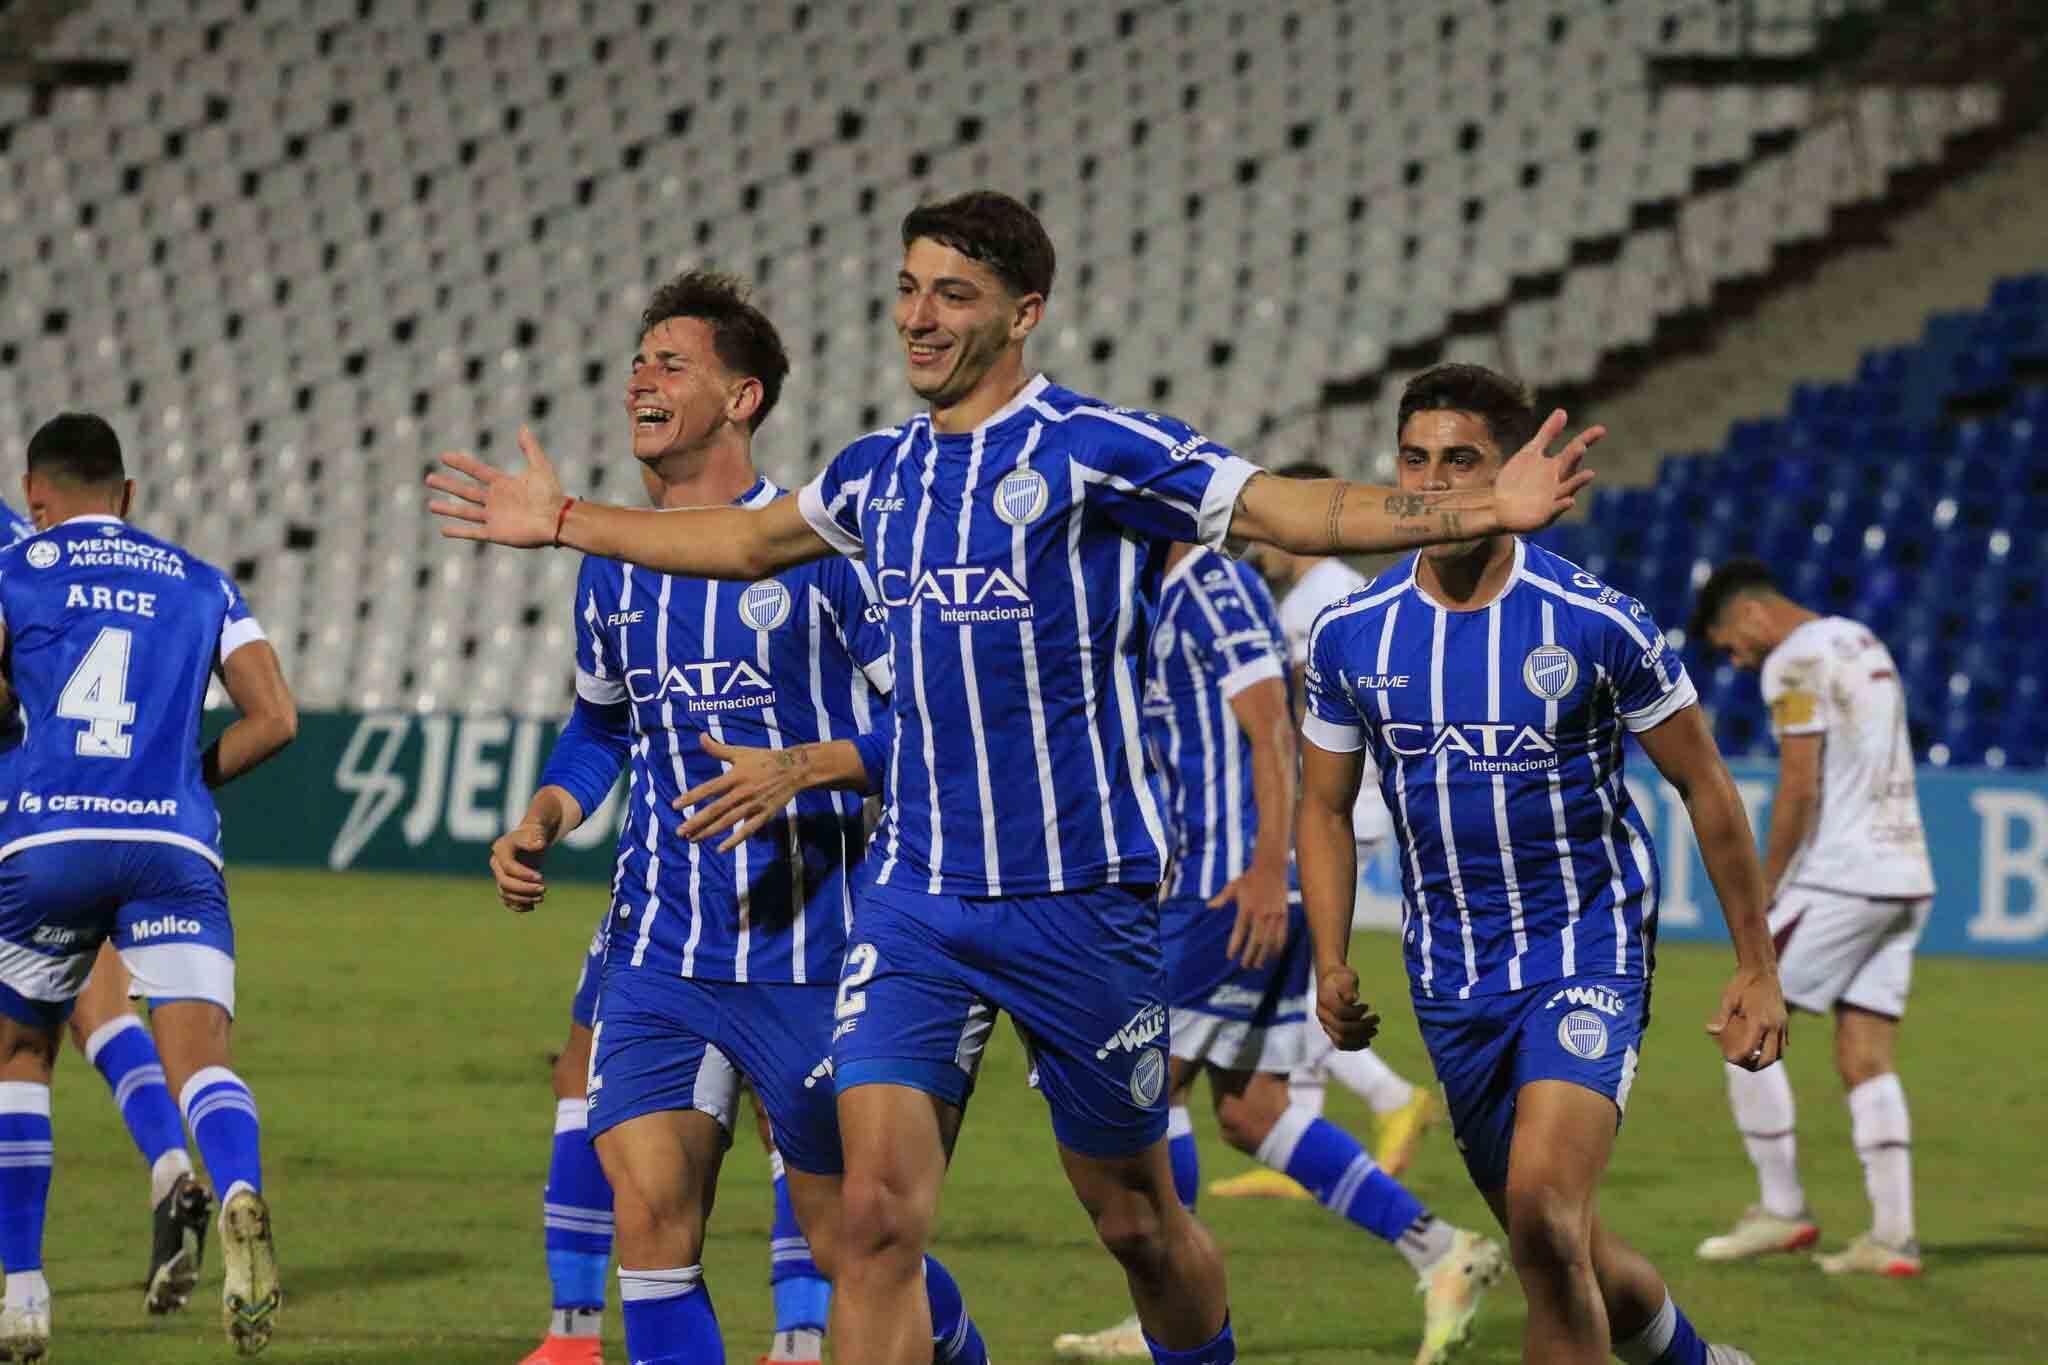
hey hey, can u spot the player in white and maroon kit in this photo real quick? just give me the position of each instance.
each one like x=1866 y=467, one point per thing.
x=1851 y=887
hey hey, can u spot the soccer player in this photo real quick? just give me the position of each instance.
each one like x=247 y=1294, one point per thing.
x=1490 y=682
x=110 y=636
x=115 y=1043
x=1015 y=529
x=1404 y=1112
x=716 y=963
x=1850 y=885
x=1221 y=731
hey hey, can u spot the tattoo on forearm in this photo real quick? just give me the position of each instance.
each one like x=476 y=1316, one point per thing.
x=1336 y=519
x=1406 y=505
x=1453 y=524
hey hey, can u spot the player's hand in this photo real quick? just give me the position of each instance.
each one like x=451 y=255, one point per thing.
x=503 y=507
x=515 y=866
x=1260 y=932
x=1348 y=1020
x=1751 y=1025
x=1535 y=487
x=754 y=788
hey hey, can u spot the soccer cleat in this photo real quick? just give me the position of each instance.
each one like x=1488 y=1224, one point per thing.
x=1729 y=1355
x=1125 y=1341
x=554 y=1350
x=25 y=1331
x=177 y=1245
x=1262 y=1183
x=249 y=1293
x=1868 y=1256
x=1402 y=1131
x=1451 y=1293
x=1759 y=1232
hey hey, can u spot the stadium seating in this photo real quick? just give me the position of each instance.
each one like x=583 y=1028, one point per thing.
x=305 y=247
x=1870 y=501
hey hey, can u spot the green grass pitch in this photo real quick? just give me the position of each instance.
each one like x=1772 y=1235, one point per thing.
x=397 y=1033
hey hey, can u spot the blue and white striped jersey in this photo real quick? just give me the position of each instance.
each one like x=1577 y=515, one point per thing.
x=14 y=527
x=783 y=661
x=1497 y=733
x=112 y=634
x=1218 y=632
x=1018 y=562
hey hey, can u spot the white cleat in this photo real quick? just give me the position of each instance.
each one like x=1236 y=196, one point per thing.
x=1451 y=1293
x=249 y=1294
x=25 y=1331
x=1729 y=1355
x=1868 y=1256
x=1760 y=1232
x=1125 y=1341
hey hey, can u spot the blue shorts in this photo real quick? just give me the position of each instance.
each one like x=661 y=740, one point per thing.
x=664 y=1043
x=165 y=907
x=1227 y=1015
x=1588 y=1030
x=583 y=1005
x=1080 y=972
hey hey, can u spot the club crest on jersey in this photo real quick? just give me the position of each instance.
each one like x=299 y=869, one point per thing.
x=1583 y=1034
x=1550 y=671
x=765 y=605
x=1148 y=1077
x=1021 y=495
x=43 y=554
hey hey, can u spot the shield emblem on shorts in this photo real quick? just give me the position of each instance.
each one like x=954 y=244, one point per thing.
x=1550 y=671
x=1584 y=1034
x=1021 y=495
x=1148 y=1077
x=764 y=605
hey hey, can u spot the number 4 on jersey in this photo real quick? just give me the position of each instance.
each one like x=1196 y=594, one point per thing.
x=98 y=695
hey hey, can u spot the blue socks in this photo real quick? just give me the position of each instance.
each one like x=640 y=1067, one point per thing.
x=576 y=1216
x=1668 y=1340
x=124 y=1053
x=802 y=1295
x=1180 y=1149
x=1331 y=1165
x=955 y=1339
x=1218 y=1350
x=222 y=1116
x=669 y=1320
x=24 y=1174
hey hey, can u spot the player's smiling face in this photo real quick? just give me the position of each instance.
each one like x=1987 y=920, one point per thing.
x=678 y=393
x=955 y=317
x=1443 y=450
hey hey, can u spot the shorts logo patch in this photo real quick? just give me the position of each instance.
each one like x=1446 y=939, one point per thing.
x=764 y=605
x=1148 y=1078
x=163 y=924
x=1583 y=1034
x=1590 y=997
x=1021 y=495
x=1145 y=1027
x=1550 y=671
x=821 y=1072
x=43 y=554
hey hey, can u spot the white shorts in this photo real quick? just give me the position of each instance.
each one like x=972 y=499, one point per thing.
x=1837 y=948
x=1237 y=1044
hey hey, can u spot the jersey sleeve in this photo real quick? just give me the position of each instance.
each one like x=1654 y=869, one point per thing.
x=1232 y=643
x=1332 y=721
x=1649 y=680
x=239 y=627
x=1795 y=691
x=831 y=503
x=1159 y=477
x=597 y=676
x=861 y=620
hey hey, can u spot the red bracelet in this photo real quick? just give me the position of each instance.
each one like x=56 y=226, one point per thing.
x=561 y=517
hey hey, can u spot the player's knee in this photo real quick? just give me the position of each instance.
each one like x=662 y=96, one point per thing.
x=881 y=1218
x=1243 y=1123
x=1547 y=1228
x=1133 y=1229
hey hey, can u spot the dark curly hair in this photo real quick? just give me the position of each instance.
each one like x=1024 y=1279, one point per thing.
x=992 y=228
x=1504 y=404
x=745 y=341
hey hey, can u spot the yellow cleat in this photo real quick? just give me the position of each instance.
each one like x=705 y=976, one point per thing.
x=1263 y=1183
x=1402 y=1131
x=1124 y=1341
x=1451 y=1293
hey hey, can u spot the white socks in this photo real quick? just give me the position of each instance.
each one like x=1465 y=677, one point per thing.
x=1372 y=1080
x=1762 y=1101
x=1883 y=1134
x=1653 y=1341
x=164 y=1174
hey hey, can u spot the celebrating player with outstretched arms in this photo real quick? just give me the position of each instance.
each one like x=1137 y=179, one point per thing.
x=1491 y=682
x=1015 y=531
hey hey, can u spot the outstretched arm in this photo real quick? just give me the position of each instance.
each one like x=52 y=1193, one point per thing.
x=1751 y=1023
x=759 y=783
x=527 y=509
x=1331 y=516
